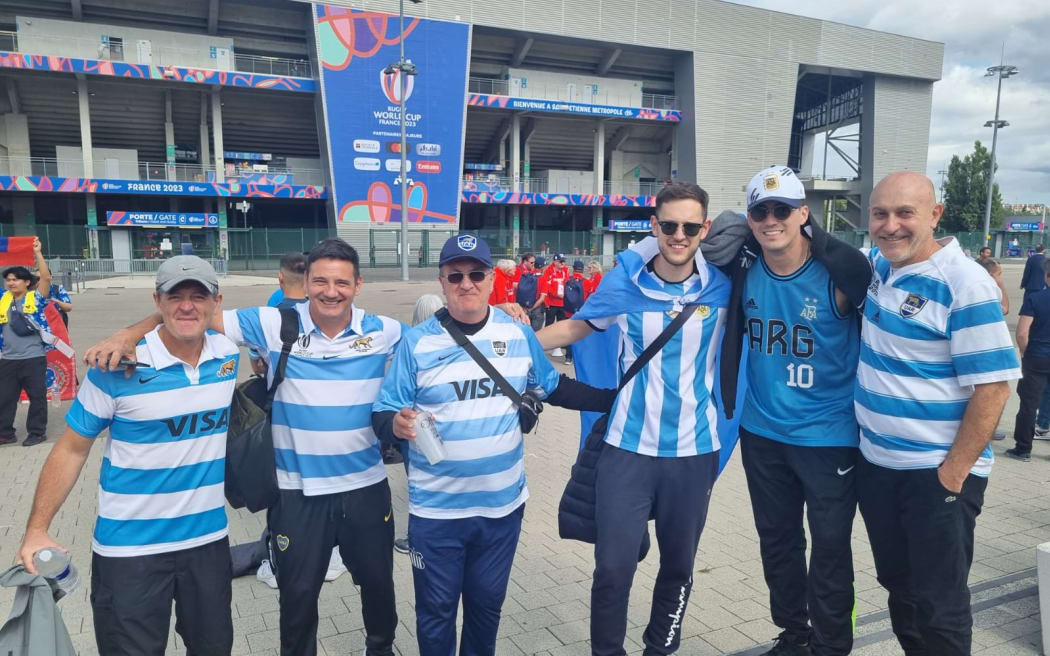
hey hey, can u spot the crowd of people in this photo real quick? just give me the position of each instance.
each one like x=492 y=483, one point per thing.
x=872 y=380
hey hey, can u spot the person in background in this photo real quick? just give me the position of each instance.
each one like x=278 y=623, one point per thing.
x=594 y=276
x=553 y=285
x=23 y=364
x=1033 y=340
x=575 y=295
x=531 y=297
x=502 y=283
x=1032 y=280
x=995 y=270
x=63 y=303
x=292 y=280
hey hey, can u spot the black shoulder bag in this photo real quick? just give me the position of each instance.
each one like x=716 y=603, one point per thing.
x=576 y=510
x=251 y=470
x=529 y=405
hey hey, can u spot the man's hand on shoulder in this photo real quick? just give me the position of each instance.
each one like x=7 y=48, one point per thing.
x=516 y=312
x=107 y=354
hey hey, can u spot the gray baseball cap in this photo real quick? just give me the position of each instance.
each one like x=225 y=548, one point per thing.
x=181 y=268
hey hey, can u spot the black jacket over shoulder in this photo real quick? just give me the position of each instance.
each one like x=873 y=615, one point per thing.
x=850 y=272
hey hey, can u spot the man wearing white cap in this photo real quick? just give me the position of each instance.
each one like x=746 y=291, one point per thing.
x=798 y=432
x=160 y=535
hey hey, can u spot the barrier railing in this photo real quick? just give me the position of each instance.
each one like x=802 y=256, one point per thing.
x=570 y=93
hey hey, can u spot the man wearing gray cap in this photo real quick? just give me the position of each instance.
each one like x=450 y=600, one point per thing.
x=160 y=535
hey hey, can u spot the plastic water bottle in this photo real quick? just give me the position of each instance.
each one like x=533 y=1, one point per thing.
x=428 y=440
x=56 y=396
x=53 y=563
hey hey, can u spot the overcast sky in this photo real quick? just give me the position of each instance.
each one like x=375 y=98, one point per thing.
x=973 y=33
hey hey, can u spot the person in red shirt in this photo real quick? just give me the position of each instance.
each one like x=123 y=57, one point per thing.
x=553 y=284
x=594 y=276
x=502 y=283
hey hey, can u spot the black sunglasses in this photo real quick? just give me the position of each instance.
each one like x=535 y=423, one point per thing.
x=475 y=276
x=780 y=212
x=669 y=228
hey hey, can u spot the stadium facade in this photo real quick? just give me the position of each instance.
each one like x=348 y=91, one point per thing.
x=245 y=129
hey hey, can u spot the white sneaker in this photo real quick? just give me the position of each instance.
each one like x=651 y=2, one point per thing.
x=1042 y=433
x=266 y=575
x=336 y=568
x=558 y=352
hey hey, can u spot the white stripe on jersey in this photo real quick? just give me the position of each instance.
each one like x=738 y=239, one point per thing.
x=126 y=507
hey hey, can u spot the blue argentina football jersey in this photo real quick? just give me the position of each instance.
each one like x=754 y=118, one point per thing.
x=932 y=330
x=484 y=473
x=802 y=361
x=668 y=409
x=322 y=413
x=161 y=485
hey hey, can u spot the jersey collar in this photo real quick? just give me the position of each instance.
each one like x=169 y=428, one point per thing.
x=357 y=317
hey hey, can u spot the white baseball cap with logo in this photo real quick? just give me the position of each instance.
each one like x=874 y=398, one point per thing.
x=777 y=183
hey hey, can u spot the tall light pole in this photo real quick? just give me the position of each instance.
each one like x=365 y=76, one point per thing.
x=404 y=69
x=1001 y=71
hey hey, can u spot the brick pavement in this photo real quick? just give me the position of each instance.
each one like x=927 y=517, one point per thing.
x=547 y=606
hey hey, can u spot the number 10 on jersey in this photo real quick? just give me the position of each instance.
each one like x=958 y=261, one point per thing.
x=800 y=375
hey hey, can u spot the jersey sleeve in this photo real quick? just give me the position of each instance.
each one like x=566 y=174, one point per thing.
x=244 y=327
x=399 y=387
x=1027 y=307
x=601 y=324
x=980 y=344
x=275 y=298
x=542 y=373
x=93 y=409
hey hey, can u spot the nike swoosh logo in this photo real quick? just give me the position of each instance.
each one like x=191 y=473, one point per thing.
x=447 y=355
x=329 y=357
x=843 y=472
x=146 y=380
x=389 y=514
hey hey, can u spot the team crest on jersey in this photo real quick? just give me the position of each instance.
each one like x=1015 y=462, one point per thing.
x=913 y=305
x=672 y=313
x=302 y=347
x=703 y=311
x=361 y=344
x=282 y=542
x=499 y=348
x=809 y=309
x=227 y=368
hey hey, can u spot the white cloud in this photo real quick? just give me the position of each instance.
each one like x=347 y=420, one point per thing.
x=974 y=33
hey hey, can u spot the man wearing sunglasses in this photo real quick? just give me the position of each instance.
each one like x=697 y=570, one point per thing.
x=798 y=432
x=661 y=451
x=465 y=511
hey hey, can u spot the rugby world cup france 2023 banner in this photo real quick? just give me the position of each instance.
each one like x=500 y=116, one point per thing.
x=363 y=114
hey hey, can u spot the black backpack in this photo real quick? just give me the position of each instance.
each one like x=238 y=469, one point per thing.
x=528 y=289
x=574 y=295
x=251 y=470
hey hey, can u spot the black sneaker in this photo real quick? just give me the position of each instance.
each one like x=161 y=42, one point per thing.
x=33 y=440
x=786 y=645
x=401 y=545
x=10 y=439
x=1023 y=456
x=1041 y=433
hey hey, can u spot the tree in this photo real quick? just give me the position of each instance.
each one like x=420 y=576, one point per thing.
x=966 y=192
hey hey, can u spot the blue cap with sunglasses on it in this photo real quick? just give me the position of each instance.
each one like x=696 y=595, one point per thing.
x=777 y=183
x=466 y=247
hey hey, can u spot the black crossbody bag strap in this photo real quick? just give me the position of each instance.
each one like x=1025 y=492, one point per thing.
x=450 y=325
x=289 y=333
x=657 y=344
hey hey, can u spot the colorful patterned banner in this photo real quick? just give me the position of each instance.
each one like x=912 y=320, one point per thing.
x=488 y=193
x=101 y=186
x=152 y=72
x=562 y=107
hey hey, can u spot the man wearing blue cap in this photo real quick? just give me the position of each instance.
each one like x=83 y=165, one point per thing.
x=465 y=511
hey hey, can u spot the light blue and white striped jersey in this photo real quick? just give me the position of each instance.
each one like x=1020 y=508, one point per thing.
x=669 y=408
x=161 y=485
x=322 y=412
x=484 y=473
x=932 y=330
x=802 y=360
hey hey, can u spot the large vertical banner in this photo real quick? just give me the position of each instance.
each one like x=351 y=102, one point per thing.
x=363 y=116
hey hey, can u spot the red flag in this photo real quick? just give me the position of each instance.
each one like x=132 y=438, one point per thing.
x=16 y=250
x=61 y=369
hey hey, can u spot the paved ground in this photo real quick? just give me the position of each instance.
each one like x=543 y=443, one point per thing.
x=547 y=607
